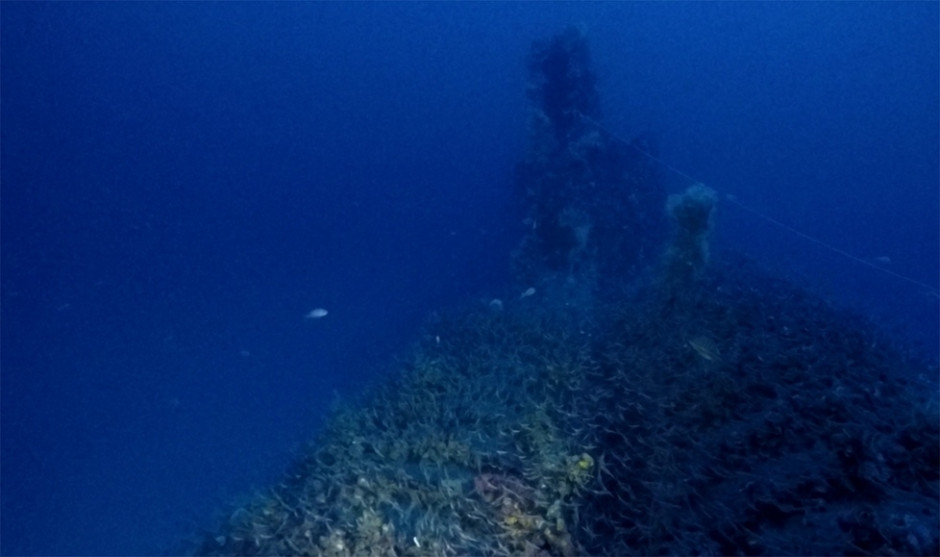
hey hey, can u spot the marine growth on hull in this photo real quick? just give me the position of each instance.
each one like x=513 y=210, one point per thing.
x=630 y=394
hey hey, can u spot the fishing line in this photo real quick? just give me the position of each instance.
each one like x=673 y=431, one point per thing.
x=734 y=201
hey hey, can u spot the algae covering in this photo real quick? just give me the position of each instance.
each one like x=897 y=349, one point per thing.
x=632 y=402
x=525 y=431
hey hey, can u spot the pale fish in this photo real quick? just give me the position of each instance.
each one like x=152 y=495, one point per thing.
x=316 y=313
x=706 y=348
x=527 y=293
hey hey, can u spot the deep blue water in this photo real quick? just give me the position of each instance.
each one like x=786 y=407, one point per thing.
x=182 y=182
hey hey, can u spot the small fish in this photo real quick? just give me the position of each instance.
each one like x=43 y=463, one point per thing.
x=706 y=348
x=527 y=293
x=496 y=304
x=316 y=313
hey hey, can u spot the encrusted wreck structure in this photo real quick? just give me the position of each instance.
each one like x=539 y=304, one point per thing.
x=594 y=205
x=710 y=409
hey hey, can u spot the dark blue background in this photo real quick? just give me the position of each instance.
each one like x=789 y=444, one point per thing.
x=182 y=182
